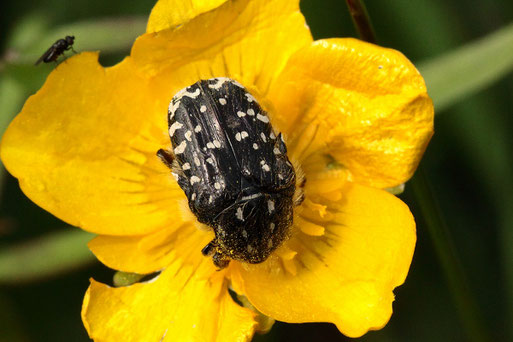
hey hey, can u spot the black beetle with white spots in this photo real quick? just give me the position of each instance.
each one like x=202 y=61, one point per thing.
x=233 y=169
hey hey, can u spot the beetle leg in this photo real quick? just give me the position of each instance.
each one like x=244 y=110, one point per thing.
x=220 y=260
x=299 y=199
x=209 y=249
x=166 y=157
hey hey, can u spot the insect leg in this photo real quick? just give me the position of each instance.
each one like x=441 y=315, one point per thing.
x=166 y=157
x=209 y=249
x=220 y=260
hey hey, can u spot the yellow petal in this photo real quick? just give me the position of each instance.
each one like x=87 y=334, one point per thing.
x=182 y=304
x=83 y=148
x=170 y=13
x=249 y=41
x=345 y=276
x=145 y=253
x=148 y=253
x=364 y=105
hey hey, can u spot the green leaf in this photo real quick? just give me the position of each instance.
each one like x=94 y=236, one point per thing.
x=448 y=257
x=106 y=35
x=49 y=255
x=22 y=36
x=459 y=73
x=12 y=94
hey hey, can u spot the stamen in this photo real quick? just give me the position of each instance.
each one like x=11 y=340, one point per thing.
x=332 y=195
x=314 y=212
x=309 y=228
x=290 y=266
x=319 y=208
x=287 y=257
x=286 y=253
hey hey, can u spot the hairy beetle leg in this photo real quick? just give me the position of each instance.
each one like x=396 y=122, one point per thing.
x=209 y=249
x=220 y=260
x=166 y=157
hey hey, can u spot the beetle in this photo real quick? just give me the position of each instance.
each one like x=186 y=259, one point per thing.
x=233 y=169
x=57 y=49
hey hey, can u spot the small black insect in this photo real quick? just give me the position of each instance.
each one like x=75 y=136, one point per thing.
x=56 y=50
x=233 y=169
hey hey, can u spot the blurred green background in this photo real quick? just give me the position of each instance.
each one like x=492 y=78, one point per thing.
x=460 y=286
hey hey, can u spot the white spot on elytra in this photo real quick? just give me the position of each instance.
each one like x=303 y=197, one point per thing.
x=210 y=145
x=270 y=244
x=241 y=114
x=250 y=249
x=262 y=118
x=271 y=227
x=210 y=160
x=222 y=101
x=264 y=138
x=244 y=234
x=172 y=129
x=250 y=197
x=180 y=148
x=179 y=94
x=250 y=97
x=193 y=196
x=188 y=135
x=270 y=206
x=276 y=150
x=239 y=214
x=194 y=179
x=197 y=161
x=203 y=109
x=217 y=185
x=197 y=129
x=241 y=135
x=192 y=95
x=210 y=199
x=251 y=112
x=173 y=106
x=237 y=84
x=186 y=166
x=272 y=136
x=217 y=143
x=266 y=168
x=255 y=146
x=219 y=82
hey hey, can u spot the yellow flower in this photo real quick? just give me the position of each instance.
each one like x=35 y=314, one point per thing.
x=356 y=118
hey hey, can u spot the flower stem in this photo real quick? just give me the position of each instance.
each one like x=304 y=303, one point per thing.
x=448 y=257
x=361 y=20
